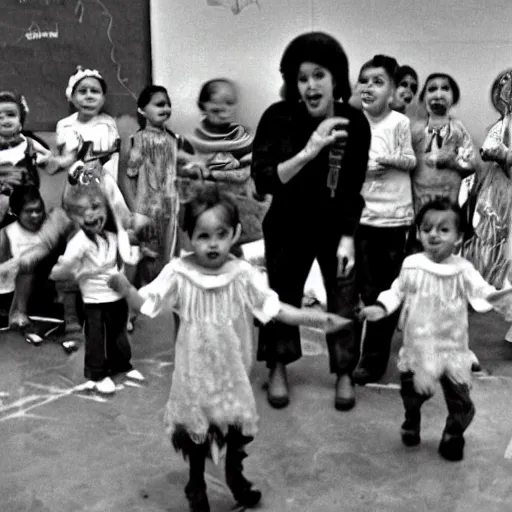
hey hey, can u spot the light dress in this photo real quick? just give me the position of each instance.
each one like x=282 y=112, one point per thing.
x=434 y=317
x=214 y=344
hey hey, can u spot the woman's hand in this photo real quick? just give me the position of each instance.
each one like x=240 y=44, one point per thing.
x=372 y=313
x=328 y=131
x=346 y=256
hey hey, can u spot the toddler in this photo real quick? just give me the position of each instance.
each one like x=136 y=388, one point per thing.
x=434 y=288
x=20 y=155
x=211 y=402
x=224 y=150
x=86 y=92
x=406 y=89
x=443 y=145
x=92 y=255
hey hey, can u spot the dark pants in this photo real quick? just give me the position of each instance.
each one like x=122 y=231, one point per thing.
x=107 y=349
x=379 y=256
x=460 y=407
x=289 y=260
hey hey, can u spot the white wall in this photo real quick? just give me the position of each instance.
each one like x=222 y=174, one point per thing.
x=193 y=41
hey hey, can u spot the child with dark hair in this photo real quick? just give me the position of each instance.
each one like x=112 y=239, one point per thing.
x=406 y=88
x=224 y=153
x=443 y=145
x=25 y=292
x=434 y=288
x=211 y=402
x=21 y=156
x=149 y=180
x=388 y=211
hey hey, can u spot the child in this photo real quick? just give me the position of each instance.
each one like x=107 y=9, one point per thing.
x=86 y=92
x=434 y=288
x=20 y=155
x=224 y=149
x=406 y=89
x=443 y=145
x=19 y=291
x=150 y=188
x=92 y=255
x=385 y=220
x=215 y=294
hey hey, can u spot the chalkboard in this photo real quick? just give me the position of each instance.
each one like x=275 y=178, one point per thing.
x=42 y=42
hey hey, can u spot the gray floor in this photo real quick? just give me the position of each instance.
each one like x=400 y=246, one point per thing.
x=64 y=450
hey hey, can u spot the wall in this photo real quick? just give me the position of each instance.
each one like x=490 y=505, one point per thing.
x=195 y=40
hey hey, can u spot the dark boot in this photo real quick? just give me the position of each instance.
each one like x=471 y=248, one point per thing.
x=195 y=490
x=240 y=487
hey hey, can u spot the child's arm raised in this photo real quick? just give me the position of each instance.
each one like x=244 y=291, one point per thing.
x=120 y=284
x=328 y=322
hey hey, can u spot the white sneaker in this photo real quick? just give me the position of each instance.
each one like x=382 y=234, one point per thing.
x=105 y=386
x=135 y=375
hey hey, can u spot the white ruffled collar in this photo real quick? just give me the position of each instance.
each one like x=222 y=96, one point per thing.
x=217 y=279
x=452 y=265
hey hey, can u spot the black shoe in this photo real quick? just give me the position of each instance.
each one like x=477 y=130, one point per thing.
x=452 y=447
x=197 y=497
x=411 y=437
x=362 y=376
x=277 y=391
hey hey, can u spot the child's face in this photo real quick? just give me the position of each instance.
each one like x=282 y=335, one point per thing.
x=213 y=238
x=90 y=214
x=158 y=111
x=32 y=215
x=88 y=97
x=10 y=119
x=405 y=92
x=439 y=234
x=219 y=110
x=316 y=89
x=377 y=91
x=438 y=96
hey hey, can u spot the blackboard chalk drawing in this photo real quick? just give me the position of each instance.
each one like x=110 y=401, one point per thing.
x=236 y=6
x=42 y=42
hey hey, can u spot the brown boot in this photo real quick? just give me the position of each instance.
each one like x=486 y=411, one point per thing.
x=278 y=393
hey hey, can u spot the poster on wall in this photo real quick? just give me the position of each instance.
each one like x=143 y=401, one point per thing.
x=43 y=41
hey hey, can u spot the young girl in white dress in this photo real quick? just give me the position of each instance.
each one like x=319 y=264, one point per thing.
x=216 y=295
x=434 y=288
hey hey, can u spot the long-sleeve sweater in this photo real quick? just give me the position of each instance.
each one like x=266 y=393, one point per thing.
x=304 y=204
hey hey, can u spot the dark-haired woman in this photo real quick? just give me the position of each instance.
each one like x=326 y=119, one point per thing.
x=310 y=153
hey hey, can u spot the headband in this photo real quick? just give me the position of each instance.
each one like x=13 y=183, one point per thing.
x=80 y=75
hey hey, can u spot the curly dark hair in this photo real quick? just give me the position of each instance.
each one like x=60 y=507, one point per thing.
x=322 y=49
x=15 y=97
x=453 y=86
x=389 y=64
x=442 y=204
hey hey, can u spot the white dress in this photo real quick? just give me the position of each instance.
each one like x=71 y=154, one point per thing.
x=214 y=345
x=434 y=317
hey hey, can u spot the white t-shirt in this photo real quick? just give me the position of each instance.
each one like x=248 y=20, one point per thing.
x=20 y=240
x=101 y=130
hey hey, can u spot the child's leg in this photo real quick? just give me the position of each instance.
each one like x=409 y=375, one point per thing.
x=95 y=362
x=118 y=347
x=236 y=481
x=196 y=454
x=412 y=403
x=18 y=315
x=461 y=411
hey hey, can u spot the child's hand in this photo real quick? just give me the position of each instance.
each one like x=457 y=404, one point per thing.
x=384 y=160
x=120 y=284
x=372 y=313
x=495 y=154
x=333 y=323
x=445 y=159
